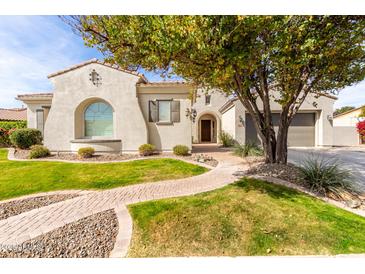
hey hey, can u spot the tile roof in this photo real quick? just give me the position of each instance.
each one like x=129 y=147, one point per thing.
x=165 y=83
x=13 y=114
x=34 y=95
x=96 y=61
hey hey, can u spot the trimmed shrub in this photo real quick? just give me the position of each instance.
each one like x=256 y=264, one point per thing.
x=38 y=151
x=24 y=138
x=6 y=128
x=146 y=149
x=325 y=176
x=226 y=139
x=86 y=152
x=248 y=149
x=181 y=150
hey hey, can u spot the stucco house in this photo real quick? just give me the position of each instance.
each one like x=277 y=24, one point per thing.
x=345 y=133
x=115 y=110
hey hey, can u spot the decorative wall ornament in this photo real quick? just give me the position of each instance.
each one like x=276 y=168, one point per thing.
x=95 y=78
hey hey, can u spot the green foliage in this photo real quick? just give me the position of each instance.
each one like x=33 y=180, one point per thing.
x=86 y=152
x=38 y=151
x=6 y=128
x=248 y=149
x=280 y=58
x=181 y=150
x=146 y=149
x=342 y=110
x=325 y=176
x=226 y=139
x=24 y=138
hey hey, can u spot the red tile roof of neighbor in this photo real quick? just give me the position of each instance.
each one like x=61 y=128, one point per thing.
x=13 y=114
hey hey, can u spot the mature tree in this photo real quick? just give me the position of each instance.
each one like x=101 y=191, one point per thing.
x=342 y=110
x=258 y=58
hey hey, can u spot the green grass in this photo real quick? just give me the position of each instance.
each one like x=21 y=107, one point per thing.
x=20 y=178
x=250 y=217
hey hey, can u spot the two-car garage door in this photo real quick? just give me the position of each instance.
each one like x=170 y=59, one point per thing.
x=301 y=130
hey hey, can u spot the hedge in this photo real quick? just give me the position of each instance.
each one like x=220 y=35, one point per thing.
x=6 y=127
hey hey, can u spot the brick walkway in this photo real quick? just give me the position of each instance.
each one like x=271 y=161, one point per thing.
x=25 y=226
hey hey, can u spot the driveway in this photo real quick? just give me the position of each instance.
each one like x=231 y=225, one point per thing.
x=351 y=158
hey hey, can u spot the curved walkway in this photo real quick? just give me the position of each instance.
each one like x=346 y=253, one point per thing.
x=20 y=228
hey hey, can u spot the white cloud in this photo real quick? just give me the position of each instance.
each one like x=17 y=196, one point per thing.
x=31 y=47
x=352 y=96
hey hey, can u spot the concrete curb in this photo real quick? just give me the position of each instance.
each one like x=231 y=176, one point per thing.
x=124 y=236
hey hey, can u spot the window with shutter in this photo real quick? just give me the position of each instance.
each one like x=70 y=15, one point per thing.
x=175 y=111
x=164 y=111
x=40 y=120
x=152 y=111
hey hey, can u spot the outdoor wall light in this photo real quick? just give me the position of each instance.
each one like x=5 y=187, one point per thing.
x=191 y=114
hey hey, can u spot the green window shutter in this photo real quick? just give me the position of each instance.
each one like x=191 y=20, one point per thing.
x=175 y=111
x=152 y=106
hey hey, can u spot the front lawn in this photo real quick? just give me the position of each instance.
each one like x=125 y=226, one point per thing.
x=21 y=178
x=250 y=217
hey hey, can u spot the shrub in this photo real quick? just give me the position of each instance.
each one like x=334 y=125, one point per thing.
x=6 y=128
x=146 y=149
x=86 y=152
x=325 y=176
x=248 y=149
x=181 y=150
x=226 y=139
x=26 y=137
x=38 y=151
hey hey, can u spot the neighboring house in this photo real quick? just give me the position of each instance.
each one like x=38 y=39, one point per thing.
x=112 y=109
x=13 y=114
x=344 y=125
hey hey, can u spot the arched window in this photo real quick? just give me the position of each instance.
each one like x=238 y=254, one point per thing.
x=98 y=120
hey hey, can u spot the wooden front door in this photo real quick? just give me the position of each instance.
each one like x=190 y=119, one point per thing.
x=206 y=131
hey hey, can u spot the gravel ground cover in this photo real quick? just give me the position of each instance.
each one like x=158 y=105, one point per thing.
x=8 y=209
x=90 y=237
x=109 y=157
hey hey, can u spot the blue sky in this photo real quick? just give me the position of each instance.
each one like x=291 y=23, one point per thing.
x=31 y=47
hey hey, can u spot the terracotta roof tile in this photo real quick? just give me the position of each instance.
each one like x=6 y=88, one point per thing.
x=13 y=114
x=165 y=83
x=96 y=61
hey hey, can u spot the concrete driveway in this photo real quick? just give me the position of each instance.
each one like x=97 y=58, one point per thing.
x=351 y=158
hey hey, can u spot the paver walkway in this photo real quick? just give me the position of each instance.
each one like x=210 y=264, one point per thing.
x=25 y=226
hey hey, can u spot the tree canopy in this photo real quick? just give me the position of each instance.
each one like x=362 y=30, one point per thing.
x=257 y=58
x=343 y=109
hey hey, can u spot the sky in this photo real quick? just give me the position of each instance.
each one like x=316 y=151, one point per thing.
x=32 y=47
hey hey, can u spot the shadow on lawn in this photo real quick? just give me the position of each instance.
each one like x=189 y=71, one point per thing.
x=274 y=191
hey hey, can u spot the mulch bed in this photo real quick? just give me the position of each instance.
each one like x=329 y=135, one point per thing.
x=16 y=207
x=90 y=237
x=110 y=157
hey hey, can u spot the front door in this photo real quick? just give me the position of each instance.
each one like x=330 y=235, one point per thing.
x=206 y=131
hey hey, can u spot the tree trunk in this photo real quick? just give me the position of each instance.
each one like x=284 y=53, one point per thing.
x=269 y=146
x=282 y=141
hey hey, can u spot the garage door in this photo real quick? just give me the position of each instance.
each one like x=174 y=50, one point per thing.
x=301 y=130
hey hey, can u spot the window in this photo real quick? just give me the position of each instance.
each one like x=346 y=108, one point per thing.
x=40 y=120
x=99 y=120
x=207 y=99
x=164 y=111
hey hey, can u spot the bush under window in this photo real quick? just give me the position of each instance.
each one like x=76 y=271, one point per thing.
x=86 y=152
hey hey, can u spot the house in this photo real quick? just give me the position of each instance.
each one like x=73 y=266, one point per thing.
x=13 y=114
x=115 y=110
x=344 y=125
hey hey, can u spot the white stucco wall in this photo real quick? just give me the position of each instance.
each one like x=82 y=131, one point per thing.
x=229 y=121
x=345 y=136
x=74 y=87
x=166 y=136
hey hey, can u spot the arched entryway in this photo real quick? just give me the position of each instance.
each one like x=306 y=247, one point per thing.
x=207 y=128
